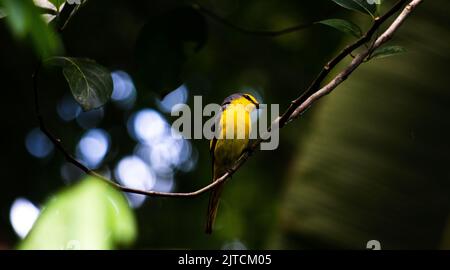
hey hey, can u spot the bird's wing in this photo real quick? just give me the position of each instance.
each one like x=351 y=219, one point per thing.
x=213 y=142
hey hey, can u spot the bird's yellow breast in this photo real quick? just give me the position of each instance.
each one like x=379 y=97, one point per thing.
x=235 y=127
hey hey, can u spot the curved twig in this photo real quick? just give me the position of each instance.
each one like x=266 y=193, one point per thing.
x=315 y=85
x=297 y=107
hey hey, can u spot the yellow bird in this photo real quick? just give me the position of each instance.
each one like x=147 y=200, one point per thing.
x=234 y=127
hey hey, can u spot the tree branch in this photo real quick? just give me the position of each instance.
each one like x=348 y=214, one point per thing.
x=358 y=60
x=315 y=85
x=296 y=109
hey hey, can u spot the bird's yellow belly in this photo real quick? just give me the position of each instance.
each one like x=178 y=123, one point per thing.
x=227 y=151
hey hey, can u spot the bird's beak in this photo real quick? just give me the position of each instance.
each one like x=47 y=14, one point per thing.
x=257 y=106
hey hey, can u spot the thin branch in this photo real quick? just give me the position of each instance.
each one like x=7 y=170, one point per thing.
x=262 y=33
x=359 y=59
x=71 y=14
x=315 y=85
x=67 y=13
x=297 y=107
x=69 y=158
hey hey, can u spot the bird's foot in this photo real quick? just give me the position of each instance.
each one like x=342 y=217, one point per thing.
x=230 y=172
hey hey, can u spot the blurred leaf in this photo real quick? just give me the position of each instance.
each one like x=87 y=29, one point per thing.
x=54 y=5
x=363 y=6
x=2 y=13
x=387 y=51
x=25 y=21
x=343 y=26
x=91 y=84
x=57 y=3
x=48 y=9
x=163 y=47
x=89 y=215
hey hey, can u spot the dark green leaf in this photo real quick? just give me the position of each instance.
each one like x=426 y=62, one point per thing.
x=364 y=6
x=164 y=45
x=91 y=84
x=90 y=215
x=344 y=26
x=25 y=22
x=387 y=51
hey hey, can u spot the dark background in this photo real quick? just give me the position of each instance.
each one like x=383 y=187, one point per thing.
x=370 y=161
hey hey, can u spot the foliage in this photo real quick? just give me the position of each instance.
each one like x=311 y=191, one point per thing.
x=363 y=6
x=57 y=3
x=91 y=84
x=344 y=26
x=351 y=171
x=89 y=215
x=387 y=51
x=25 y=22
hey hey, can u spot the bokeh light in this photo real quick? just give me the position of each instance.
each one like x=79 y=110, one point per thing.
x=124 y=91
x=37 y=144
x=158 y=147
x=157 y=156
x=177 y=96
x=147 y=126
x=234 y=245
x=22 y=216
x=157 y=151
x=93 y=147
x=191 y=162
x=167 y=154
x=67 y=108
x=164 y=183
x=133 y=172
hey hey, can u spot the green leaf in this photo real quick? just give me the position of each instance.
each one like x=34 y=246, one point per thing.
x=2 y=13
x=363 y=6
x=343 y=26
x=54 y=5
x=387 y=51
x=91 y=84
x=57 y=3
x=89 y=215
x=25 y=22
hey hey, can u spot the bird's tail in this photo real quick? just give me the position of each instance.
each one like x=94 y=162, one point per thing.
x=213 y=206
